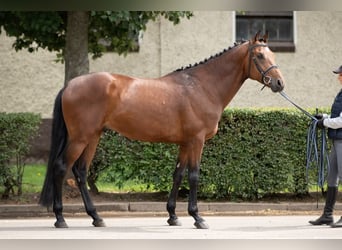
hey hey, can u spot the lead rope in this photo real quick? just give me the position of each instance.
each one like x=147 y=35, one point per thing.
x=316 y=154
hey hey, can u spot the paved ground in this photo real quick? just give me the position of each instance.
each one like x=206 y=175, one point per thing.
x=252 y=226
x=221 y=227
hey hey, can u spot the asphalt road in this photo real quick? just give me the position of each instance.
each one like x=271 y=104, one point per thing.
x=221 y=227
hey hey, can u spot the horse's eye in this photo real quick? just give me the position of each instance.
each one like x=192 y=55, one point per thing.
x=260 y=56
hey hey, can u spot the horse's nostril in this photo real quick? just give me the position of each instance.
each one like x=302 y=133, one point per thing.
x=280 y=83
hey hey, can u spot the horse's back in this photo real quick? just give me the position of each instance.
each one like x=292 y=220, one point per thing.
x=130 y=106
x=146 y=109
x=160 y=109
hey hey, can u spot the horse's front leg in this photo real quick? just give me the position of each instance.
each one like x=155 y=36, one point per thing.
x=193 y=175
x=171 y=203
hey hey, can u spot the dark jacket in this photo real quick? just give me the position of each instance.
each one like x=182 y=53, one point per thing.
x=336 y=110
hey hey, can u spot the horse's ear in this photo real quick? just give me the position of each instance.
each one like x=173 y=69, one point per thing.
x=265 y=38
x=257 y=35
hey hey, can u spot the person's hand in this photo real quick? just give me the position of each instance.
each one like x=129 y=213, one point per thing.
x=318 y=116
x=320 y=123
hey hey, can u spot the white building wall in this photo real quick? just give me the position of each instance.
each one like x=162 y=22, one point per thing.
x=308 y=71
x=30 y=81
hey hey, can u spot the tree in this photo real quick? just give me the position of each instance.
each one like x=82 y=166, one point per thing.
x=75 y=34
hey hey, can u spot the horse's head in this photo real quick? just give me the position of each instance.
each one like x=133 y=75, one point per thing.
x=261 y=64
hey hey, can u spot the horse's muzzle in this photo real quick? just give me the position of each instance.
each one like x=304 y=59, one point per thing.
x=277 y=84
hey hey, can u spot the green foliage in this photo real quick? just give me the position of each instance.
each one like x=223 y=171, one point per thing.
x=255 y=153
x=16 y=129
x=47 y=29
x=119 y=159
x=37 y=29
x=120 y=29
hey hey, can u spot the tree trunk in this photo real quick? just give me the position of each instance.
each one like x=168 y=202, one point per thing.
x=76 y=45
x=76 y=63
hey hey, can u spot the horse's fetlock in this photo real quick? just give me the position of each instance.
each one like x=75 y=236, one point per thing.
x=193 y=210
x=171 y=207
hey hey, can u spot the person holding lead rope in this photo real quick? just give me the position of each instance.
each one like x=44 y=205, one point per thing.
x=334 y=125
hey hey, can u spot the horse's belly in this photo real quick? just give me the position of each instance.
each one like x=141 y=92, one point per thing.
x=144 y=128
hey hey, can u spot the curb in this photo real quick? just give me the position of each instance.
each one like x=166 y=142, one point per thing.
x=155 y=208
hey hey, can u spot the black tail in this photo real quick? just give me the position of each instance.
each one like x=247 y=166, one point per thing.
x=58 y=142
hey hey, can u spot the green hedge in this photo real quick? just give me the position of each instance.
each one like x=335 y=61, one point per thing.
x=255 y=153
x=16 y=129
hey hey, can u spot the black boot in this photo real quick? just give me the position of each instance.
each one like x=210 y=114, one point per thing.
x=337 y=224
x=327 y=216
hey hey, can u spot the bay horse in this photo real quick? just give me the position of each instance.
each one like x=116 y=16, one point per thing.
x=182 y=107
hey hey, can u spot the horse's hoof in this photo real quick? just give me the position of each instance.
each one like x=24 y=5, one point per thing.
x=201 y=225
x=99 y=223
x=61 y=224
x=174 y=222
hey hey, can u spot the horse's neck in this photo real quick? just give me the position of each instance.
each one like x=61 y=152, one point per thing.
x=225 y=75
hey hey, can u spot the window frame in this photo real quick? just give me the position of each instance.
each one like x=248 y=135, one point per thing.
x=276 y=46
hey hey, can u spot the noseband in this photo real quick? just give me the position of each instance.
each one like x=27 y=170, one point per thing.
x=266 y=80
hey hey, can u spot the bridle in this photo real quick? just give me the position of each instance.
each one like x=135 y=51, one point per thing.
x=266 y=80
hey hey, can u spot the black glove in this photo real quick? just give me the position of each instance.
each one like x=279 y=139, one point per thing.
x=320 y=123
x=319 y=116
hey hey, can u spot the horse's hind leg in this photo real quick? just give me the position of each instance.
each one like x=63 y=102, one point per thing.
x=59 y=174
x=61 y=166
x=80 y=170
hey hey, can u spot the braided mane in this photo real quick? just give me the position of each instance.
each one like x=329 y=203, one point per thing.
x=210 y=58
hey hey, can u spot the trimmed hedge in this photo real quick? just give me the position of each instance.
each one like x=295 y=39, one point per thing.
x=255 y=153
x=16 y=129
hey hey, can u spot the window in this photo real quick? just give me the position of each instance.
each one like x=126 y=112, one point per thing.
x=278 y=24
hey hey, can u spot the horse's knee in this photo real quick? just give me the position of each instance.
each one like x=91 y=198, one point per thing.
x=179 y=173
x=193 y=177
